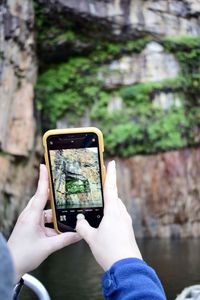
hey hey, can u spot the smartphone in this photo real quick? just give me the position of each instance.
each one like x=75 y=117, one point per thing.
x=74 y=159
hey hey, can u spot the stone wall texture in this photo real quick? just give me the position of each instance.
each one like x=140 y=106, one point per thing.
x=136 y=17
x=18 y=71
x=162 y=193
x=161 y=190
x=130 y=67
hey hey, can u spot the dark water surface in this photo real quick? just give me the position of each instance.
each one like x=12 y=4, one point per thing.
x=72 y=273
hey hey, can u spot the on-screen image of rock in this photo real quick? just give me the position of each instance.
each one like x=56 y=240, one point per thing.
x=76 y=178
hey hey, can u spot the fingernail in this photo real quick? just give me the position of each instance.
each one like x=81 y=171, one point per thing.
x=113 y=164
x=41 y=166
x=80 y=217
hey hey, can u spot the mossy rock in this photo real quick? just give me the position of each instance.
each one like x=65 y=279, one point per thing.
x=72 y=88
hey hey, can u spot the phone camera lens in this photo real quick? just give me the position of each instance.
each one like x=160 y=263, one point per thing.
x=72 y=141
x=51 y=142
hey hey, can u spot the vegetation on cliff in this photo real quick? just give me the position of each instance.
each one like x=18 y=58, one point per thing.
x=73 y=89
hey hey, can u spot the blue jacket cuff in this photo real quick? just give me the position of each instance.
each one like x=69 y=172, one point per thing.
x=132 y=278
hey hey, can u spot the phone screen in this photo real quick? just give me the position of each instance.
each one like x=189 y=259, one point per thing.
x=76 y=175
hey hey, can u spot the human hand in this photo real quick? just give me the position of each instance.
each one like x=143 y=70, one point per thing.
x=114 y=239
x=31 y=242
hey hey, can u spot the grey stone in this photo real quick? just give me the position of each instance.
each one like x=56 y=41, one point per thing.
x=115 y=103
x=152 y=64
x=167 y=100
x=134 y=16
x=18 y=71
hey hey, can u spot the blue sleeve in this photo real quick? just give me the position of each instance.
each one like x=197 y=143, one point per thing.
x=7 y=275
x=132 y=279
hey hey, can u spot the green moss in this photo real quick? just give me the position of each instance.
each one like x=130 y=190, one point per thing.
x=182 y=41
x=187 y=51
x=141 y=126
x=68 y=87
x=55 y=37
x=140 y=92
x=73 y=88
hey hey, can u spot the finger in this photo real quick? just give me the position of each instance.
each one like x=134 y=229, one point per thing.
x=29 y=203
x=122 y=206
x=123 y=211
x=33 y=199
x=110 y=188
x=84 y=229
x=41 y=196
x=47 y=216
x=50 y=231
x=59 y=241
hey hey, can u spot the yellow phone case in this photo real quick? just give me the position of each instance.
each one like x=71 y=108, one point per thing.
x=70 y=131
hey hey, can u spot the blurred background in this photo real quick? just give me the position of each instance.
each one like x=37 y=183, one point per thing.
x=132 y=69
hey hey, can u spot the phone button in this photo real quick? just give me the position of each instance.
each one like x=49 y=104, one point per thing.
x=62 y=218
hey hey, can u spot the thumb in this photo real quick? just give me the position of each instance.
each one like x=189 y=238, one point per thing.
x=84 y=229
x=59 y=241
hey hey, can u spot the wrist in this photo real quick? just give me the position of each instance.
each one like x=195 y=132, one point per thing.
x=107 y=264
x=16 y=262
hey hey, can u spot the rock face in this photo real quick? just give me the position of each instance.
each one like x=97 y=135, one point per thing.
x=152 y=64
x=132 y=69
x=135 y=17
x=21 y=125
x=165 y=101
x=17 y=123
x=129 y=67
x=162 y=193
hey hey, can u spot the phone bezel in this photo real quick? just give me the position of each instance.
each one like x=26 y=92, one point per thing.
x=69 y=133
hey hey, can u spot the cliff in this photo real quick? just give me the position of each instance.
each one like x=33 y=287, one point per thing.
x=18 y=71
x=162 y=193
x=131 y=68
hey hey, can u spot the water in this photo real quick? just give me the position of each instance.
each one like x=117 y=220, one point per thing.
x=73 y=274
